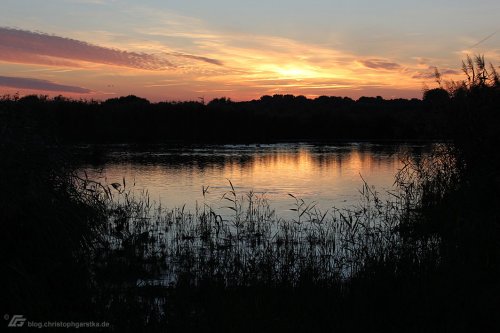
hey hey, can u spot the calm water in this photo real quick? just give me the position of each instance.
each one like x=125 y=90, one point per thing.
x=329 y=175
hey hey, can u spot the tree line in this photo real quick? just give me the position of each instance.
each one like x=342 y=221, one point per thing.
x=279 y=117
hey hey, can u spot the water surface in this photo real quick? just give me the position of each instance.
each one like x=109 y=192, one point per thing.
x=328 y=175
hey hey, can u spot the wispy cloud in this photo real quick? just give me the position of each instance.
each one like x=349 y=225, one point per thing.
x=380 y=64
x=198 y=58
x=39 y=48
x=431 y=73
x=36 y=84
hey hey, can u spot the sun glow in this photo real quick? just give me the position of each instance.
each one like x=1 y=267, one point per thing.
x=268 y=65
x=293 y=72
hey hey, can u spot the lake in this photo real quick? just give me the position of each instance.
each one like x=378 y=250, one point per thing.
x=329 y=175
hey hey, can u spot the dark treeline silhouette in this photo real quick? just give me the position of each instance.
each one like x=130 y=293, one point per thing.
x=279 y=117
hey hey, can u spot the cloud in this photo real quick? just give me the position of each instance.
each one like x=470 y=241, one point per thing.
x=449 y=71
x=430 y=74
x=199 y=58
x=422 y=61
x=424 y=76
x=380 y=64
x=39 y=48
x=36 y=84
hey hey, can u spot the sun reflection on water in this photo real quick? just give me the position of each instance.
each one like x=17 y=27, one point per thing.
x=328 y=175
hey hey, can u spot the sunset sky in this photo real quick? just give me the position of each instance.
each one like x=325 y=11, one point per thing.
x=183 y=50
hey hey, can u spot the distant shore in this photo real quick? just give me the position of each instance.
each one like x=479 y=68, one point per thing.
x=271 y=119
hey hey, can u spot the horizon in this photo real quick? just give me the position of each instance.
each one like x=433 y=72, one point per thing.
x=17 y=96
x=101 y=49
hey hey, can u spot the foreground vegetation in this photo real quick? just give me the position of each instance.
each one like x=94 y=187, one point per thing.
x=427 y=260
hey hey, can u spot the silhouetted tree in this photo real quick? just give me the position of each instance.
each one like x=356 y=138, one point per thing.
x=436 y=97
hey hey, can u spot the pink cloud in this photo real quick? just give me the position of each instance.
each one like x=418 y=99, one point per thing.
x=34 y=47
x=36 y=84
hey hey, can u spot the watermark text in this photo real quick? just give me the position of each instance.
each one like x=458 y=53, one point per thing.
x=22 y=321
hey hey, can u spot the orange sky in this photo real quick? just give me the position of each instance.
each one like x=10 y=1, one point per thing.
x=166 y=54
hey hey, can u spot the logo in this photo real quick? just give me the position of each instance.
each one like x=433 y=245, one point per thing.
x=17 y=321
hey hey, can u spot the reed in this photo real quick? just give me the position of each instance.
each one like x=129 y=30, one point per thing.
x=163 y=255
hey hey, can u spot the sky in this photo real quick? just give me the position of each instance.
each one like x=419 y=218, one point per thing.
x=192 y=49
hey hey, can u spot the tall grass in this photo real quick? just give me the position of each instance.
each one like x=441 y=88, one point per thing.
x=137 y=264
x=157 y=255
x=49 y=228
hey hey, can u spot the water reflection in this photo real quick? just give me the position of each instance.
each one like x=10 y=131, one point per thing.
x=327 y=174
